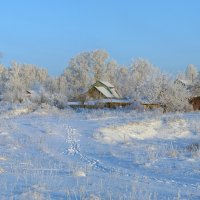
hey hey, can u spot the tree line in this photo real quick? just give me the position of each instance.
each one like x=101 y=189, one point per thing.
x=140 y=80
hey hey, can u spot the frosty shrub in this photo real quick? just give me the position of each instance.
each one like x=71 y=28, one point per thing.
x=13 y=97
x=41 y=99
x=193 y=147
x=59 y=101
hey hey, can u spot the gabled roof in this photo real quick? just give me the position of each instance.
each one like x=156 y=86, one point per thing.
x=105 y=92
x=107 y=84
x=107 y=89
x=114 y=93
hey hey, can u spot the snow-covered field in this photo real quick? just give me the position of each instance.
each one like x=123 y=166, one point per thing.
x=98 y=154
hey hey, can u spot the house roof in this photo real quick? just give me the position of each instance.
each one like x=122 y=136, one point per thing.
x=105 y=88
x=184 y=82
x=94 y=102
x=105 y=92
x=31 y=92
x=145 y=100
x=107 y=101
x=107 y=84
x=114 y=93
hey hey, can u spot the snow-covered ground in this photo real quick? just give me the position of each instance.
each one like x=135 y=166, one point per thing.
x=98 y=154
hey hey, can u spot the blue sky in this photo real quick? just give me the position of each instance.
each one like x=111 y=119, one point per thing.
x=50 y=32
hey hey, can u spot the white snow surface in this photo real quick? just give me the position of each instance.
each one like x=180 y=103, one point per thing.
x=147 y=129
x=98 y=154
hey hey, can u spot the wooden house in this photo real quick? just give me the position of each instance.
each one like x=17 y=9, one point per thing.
x=104 y=95
x=101 y=94
x=100 y=90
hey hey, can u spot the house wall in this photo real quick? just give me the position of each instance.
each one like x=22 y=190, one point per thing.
x=100 y=105
x=117 y=104
x=93 y=93
x=195 y=101
x=151 y=106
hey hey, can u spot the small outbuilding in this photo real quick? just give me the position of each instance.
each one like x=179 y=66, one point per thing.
x=30 y=94
x=149 y=104
x=195 y=101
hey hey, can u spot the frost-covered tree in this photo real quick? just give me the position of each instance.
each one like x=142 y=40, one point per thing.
x=172 y=96
x=191 y=73
x=56 y=85
x=140 y=71
x=21 y=77
x=110 y=73
x=196 y=86
x=3 y=78
x=77 y=74
x=122 y=81
x=147 y=82
x=85 y=69
x=99 y=64
x=181 y=76
x=117 y=75
x=15 y=87
x=62 y=85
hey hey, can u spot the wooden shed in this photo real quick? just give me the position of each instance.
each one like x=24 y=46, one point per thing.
x=151 y=106
x=195 y=101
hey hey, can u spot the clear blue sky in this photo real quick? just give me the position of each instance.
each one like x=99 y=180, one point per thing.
x=49 y=32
